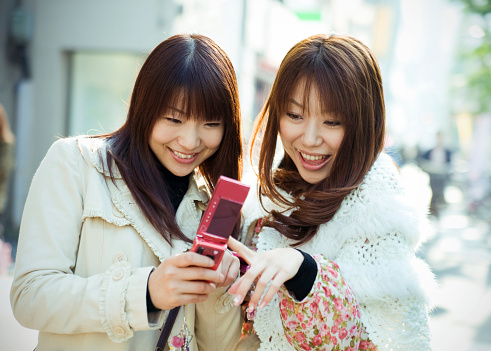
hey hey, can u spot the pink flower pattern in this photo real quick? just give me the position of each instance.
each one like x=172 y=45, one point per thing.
x=332 y=312
x=328 y=319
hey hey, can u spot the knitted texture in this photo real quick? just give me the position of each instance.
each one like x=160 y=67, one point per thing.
x=373 y=238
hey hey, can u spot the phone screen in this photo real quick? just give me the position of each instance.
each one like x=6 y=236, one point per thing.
x=224 y=218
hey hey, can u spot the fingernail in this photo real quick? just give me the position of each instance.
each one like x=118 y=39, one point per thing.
x=262 y=305
x=251 y=307
x=237 y=300
x=251 y=312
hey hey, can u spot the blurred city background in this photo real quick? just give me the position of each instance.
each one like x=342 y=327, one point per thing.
x=67 y=68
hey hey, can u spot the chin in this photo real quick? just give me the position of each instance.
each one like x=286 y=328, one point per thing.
x=313 y=178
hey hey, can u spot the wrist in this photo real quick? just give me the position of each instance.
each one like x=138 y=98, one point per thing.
x=301 y=284
x=150 y=306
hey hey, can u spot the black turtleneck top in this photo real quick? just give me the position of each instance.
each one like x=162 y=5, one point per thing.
x=176 y=186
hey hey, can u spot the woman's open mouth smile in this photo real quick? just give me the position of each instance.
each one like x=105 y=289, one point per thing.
x=183 y=157
x=313 y=162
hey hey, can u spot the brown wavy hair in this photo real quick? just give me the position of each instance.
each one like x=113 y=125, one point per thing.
x=190 y=67
x=348 y=80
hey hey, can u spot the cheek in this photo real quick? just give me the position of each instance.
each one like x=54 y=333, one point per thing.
x=214 y=138
x=287 y=133
x=337 y=140
x=160 y=134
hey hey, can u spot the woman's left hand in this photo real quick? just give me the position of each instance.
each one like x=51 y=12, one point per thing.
x=275 y=266
x=229 y=267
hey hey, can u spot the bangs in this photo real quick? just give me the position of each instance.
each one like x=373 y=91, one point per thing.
x=197 y=105
x=329 y=94
x=200 y=96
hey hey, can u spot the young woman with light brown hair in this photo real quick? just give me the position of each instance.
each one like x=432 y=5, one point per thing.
x=331 y=235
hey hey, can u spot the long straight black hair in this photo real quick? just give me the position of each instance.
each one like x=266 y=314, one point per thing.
x=190 y=67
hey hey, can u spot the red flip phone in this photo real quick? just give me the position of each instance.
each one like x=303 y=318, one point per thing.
x=220 y=218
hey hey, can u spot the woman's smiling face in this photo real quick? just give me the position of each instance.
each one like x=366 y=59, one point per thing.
x=181 y=143
x=310 y=136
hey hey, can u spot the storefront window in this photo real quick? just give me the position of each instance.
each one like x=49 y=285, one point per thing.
x=100 y=86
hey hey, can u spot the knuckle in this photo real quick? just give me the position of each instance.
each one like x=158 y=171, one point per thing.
x=262 y=283
x=199 y=298
x=206 y=274
x=172 y=288
x=187 y=258
x=170 y=275
x=277 y=266
x=203 y=288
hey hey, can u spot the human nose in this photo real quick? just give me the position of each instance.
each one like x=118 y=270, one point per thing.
x=189 y=137
x=311 y=136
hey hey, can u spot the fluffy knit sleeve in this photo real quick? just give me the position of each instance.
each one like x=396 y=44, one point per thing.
x=382 y=232
x=390 y=292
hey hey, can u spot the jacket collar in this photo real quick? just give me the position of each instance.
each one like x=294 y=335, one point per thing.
x=188 y=214
x=98 y=157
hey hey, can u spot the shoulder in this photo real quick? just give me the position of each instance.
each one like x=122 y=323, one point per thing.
x=94 y=152
x=83 y=145
x=383 y=177
x=62 y=151
x=383 y=182
x=380 y=205
x=80 y=151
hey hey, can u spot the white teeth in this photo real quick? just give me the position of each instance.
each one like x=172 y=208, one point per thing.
x=178 y=154
x=312 y=158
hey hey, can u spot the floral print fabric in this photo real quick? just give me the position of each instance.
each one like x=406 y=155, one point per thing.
x=328 y=318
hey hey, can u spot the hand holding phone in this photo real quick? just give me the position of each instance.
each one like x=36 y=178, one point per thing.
x=220 y=218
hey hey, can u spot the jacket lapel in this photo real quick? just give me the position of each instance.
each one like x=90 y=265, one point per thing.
x=188 y=214
x=126 y=204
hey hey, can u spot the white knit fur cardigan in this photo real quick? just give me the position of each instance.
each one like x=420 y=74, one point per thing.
x=373 y=238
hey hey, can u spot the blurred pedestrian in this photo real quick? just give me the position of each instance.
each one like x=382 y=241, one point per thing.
x=331 y=229
x=436 y=162
x=108 y=220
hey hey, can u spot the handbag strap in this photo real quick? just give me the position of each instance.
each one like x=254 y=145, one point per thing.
x=169 y=323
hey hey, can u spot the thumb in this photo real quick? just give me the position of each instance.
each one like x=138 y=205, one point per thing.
x=242 y=250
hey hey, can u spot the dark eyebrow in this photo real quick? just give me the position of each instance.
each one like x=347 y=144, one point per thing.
x=295 y=103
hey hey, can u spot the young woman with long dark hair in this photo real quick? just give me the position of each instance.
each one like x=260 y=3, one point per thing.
x=108 y=220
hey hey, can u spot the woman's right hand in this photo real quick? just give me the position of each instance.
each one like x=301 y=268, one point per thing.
x=183 y=279
x=275 y=267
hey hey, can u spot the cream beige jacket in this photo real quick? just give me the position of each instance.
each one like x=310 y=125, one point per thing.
x=85 y=253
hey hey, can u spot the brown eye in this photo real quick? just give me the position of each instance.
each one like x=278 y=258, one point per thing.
x=293 y=116
x=172 y=120
x=332 y=123
x=213 y=124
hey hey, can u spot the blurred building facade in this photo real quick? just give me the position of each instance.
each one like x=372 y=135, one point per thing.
x=74 y=70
